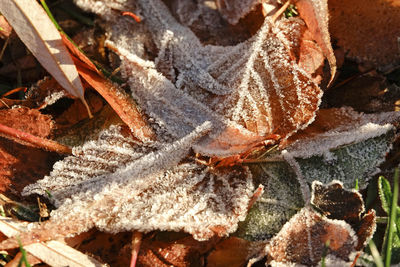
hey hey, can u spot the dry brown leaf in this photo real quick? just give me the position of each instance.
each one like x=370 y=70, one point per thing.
x=365 y=229
x=367 y=29
x=39 y=34
x=29 y=127
x=337 y=203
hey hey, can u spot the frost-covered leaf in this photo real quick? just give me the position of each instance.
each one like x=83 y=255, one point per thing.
x=248 y=91
x=340 y=145
x=204 y=19
x=280 y=201
x=118 y=184
x=308 y=236
x=343 y=145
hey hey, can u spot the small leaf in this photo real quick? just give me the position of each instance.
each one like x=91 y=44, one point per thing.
x=303 y=241
x=39 y=34
x=309 y=237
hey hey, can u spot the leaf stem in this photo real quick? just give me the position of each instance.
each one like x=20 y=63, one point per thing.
x=392 y=218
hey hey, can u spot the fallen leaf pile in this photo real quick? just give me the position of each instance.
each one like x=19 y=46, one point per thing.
x=220 y=135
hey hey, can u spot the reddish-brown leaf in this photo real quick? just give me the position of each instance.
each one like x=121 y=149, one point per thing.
x=21 y=165
x=123 y=105
x=27 y=120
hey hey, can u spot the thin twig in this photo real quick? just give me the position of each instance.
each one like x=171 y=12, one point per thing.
x=136 y=241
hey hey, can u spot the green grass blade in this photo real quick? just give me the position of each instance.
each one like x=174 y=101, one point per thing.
x=392 y=218
x=46 y=8
x=24 y=258
x=385 y=193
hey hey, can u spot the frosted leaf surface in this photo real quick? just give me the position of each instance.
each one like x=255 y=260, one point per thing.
x=346 y=150
x=204 y=19
x=343 y=145
x=280 y=201
x=248 y=91
x=117 y=184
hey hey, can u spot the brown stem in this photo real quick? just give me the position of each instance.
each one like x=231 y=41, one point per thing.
x=29 y=139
